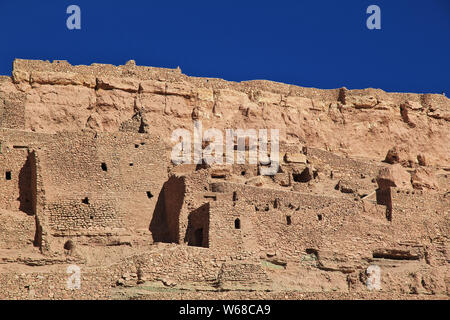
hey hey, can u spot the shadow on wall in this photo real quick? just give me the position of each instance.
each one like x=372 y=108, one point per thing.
x=165 y=223
x=25 y=188
x=384 y=198
x=197 y=232
x=158 y=225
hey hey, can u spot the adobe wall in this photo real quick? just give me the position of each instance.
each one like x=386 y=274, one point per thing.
x=16 y=231
x=15 y=180
x=21 y=139
x=174 y=193
x=288 y=222
x=198 y=228
x=191 y=207
x=425 y=201
x=233 y=230
x=103 y=180
x=313 y=225
x=12 y=105
x=184 y=194
x=342 y=166
x=89 y=181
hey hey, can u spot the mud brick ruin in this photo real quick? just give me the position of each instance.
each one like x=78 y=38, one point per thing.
x=86 y=179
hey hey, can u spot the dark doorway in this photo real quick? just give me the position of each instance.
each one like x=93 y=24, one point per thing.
x=198 y=238
x=26 y=185
x=305 y=176
x=288 y=220
x=197 y=231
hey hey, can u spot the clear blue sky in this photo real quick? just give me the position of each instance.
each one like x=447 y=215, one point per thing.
x=318 y=43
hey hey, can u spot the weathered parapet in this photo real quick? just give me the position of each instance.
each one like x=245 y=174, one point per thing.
x=20 y=139
x=264 y=198
x=61 y=69
x=341 y=165
x=420 y=200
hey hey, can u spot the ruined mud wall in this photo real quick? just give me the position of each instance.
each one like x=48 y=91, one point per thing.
x=174 y=194
x=90 y=181
x=288 y=224
x=15 y=180
x=103 y=181
x=233 y=230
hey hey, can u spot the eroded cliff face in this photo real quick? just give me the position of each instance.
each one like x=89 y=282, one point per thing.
x=51 y=97
x=363 y=182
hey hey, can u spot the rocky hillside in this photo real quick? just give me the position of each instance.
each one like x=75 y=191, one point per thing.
x=359 y=123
